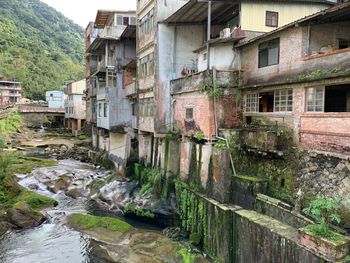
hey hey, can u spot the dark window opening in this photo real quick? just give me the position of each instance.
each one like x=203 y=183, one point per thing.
x=189 y=113
x=337 y=98
x=271 y=19
x=266 y=101
x=269 y=53
x=125 y=20
x=344 y=43
x=249 y=120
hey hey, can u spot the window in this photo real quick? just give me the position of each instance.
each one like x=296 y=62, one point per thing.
x=328 y=99
x=111 y=78
x=125 y=20
x=343 y=43
x=252 y=102
x=146 y=107
x=147 y=65
x=283 y=100
x=119 y=20
x=273 y=101
x=269 y=53
x=105 y=110
x=100 y=110
x=205 y=56
x=315 y=99
x=189 y=113
x=146 y=23
x=271 y=19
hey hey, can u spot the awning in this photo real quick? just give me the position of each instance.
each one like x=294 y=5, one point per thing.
x=195 y=12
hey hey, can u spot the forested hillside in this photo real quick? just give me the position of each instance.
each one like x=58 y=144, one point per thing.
x=38 y=46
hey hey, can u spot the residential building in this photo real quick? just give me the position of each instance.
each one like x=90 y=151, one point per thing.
x=111 y=54
x=55 y=99
x=10 y=92
x=299 y=76
x=75 y=106
x=172 y=43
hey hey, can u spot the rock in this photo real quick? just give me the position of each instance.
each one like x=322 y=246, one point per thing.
x=74 y=193
x=33 y=187
x=175 y=233
x=25 y=217
x=5 y=226
x=312 y=168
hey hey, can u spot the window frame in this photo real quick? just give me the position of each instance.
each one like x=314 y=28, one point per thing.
x=189 y=111
x=267 y=46
x=315 y=105
x=248 y=101
x=286 y=100
x=269 y=18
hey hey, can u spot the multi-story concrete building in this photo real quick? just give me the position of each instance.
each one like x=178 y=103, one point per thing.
x=299 y=76
x=10 y=92
x=111 y=52
x=173 y=41
x=55 y=99
x=75 y=105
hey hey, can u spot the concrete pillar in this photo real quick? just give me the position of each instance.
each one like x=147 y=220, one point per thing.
x=78 y=125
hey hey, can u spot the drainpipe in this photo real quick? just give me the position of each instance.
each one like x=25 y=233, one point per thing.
x=208 y=34
x=216 y=123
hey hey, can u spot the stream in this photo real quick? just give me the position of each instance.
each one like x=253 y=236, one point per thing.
x=55 y=242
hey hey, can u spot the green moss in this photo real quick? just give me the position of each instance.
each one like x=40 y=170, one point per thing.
x=88 y=222
x=11 y=193
x=187 y=256
x=250 y=178
x=12 y=123
x=97 y=184
x=83 y=137
x=317 y=230
x=132 y=210
x=34 y=200
x=195 y=239
x=145 y=188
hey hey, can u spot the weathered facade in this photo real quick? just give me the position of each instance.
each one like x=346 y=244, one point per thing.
x=75 y=105
x=110 y=53
x=55 y=99
x=305 y=88
x=10 y=92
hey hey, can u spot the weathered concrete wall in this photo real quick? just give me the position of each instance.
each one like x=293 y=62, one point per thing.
x=233 y=234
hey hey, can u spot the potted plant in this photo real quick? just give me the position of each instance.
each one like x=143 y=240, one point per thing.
x=319 y=237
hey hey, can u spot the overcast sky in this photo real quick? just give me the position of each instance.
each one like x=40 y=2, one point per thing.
x=84 y=11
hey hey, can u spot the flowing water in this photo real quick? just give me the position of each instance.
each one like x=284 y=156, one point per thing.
x=54 y=242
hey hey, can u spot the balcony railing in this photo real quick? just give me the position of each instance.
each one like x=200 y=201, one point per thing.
x=196 y=81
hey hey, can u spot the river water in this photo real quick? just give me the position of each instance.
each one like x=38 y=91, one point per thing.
x=54 y=242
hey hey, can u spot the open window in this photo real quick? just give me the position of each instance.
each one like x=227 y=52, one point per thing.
x=271 y=101
x=328 y=99
x=266 y=101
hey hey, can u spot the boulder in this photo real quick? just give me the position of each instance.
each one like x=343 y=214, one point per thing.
x=25 y=217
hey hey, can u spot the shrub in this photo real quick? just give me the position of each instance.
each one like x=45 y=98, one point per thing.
x=324 y=212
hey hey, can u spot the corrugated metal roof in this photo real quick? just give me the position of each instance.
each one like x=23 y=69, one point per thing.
x=196 y=11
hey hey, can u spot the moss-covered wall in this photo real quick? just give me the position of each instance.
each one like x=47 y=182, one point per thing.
x=231 y=234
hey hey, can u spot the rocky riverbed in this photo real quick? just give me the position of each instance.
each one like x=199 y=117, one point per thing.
x=80 y=187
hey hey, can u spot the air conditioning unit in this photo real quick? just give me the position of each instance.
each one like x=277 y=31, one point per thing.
x=225 y=33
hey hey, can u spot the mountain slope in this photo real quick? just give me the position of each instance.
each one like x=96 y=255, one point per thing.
x=39 y=46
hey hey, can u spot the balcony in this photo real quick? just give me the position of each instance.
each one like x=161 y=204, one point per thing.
x=229 y=79
x=130 y=89
x=112 y=32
